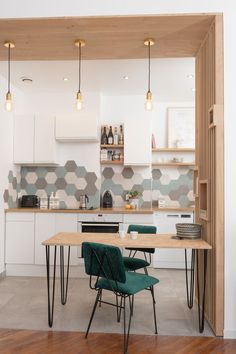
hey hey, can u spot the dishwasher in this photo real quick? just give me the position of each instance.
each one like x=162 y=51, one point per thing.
x=165 y=223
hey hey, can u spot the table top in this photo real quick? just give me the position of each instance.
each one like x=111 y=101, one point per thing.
x=142 y=241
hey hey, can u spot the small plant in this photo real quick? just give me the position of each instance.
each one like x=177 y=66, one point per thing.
x=134 y=194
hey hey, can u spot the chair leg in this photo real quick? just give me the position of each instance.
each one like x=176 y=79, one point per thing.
x=119 y=308
x=126 y=335
x=145 y=270
x=154 y=308
x=100 y=299
x=131 y=304
x=93 y=312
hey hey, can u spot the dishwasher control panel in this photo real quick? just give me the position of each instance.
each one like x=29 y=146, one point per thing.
x=100 y=217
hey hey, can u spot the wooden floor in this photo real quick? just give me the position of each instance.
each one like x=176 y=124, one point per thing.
x=41 y=342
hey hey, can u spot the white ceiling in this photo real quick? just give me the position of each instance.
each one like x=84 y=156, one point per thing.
x=169 y=81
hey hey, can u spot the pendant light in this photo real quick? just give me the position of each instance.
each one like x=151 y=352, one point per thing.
x=8 y=102
x=148 y=103
x=79 y=103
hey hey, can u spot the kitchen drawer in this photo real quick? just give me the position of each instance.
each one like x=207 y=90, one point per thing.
x=20 y=216
x=138 y=219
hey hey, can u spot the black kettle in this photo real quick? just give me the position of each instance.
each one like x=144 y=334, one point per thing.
x=107 y=201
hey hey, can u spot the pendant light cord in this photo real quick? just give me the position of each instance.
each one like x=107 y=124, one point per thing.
x=149 y=65
x=9 y=66
x=79 y=69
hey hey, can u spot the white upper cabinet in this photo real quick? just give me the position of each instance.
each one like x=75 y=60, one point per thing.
x=77 y=128
x=137 y=142
x=34 y=140
x=82 y=125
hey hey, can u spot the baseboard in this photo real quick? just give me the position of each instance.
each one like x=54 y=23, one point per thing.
x=229 y=333
x=3 y=274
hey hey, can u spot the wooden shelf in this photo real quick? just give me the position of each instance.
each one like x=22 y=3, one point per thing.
x=108 y=162
x=112 y=146
x=173 y=164
x=173 y=150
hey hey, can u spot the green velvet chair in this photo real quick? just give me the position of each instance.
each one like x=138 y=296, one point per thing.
x=131 y=262
x=104 y=264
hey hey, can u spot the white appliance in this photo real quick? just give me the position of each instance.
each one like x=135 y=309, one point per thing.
x=165 y=223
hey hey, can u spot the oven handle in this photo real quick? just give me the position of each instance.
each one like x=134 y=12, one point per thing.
x=103 y=224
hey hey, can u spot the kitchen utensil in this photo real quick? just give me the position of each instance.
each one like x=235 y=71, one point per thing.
x=83 y=200
x=107 y=201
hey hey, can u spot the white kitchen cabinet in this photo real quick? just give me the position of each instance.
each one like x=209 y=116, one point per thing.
x=47 y=225
x=137 y=142
x=20 y=238
x=165 y=223
x=34 y=140
x=83 y=127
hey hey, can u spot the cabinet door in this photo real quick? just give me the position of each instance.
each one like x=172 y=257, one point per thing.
x=44 y=228
x=137 y=142
x=67 y=223
x=77 y=128
x=20 y=242
x=23 y=137
x=45 y=143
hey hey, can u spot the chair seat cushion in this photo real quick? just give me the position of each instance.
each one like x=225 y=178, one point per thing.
x=132 y=263
x=135 y=282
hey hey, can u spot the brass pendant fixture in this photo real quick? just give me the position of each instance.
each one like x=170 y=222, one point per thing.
x=79 y=102
x=8 y=102
x=148 y=103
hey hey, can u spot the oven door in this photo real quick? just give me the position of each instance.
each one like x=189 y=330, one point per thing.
x=101 y=227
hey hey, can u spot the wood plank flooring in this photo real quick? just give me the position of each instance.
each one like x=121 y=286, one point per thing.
x=45 y=342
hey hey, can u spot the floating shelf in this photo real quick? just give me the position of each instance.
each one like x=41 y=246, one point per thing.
x=173 y=150
x=108 y=162
x=173 y=164
x=112 y=146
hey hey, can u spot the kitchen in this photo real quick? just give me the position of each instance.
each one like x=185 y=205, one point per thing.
x=74 y=170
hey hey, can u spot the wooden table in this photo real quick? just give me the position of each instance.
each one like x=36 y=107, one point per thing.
x=68 y=239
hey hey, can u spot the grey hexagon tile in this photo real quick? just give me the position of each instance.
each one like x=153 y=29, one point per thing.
x=90 y=189
x=147 y=184
x=70 y=166
x=117 y=189
x=41 y=172
x=60 y=171
x=31 y=177
x=127 y=172
x=40 y=183
x=80 y=171
x=60 y=183
x=156 y=174
x=23 y=171
x=31 y=189
x=184 y=201
x=6 y=196
x=108 y=172
x=78 y=193
x=70 y=189
x=107 y=184
x=10 y=176
x=80 y=183
x=138 y=187
x=94 y=200
x=50 y=177
x=14 y=183
x=90 y=177
x=71 y=177
x=50 y=188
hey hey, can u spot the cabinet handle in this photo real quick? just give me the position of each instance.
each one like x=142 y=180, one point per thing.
x=173 y=216
x=185 y=216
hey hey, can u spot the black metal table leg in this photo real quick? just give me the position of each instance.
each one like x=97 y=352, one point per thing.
x=50 y=301
x=201 y=305
x=64 y=286
x=190 y=291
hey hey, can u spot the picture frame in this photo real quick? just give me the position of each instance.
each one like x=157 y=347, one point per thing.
x=181 y=127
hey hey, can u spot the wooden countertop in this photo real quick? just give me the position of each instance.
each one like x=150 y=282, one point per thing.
x=99 y=210
x=142 y=241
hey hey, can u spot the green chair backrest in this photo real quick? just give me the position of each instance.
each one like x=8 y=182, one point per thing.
x=143 y=229
x=103 y=261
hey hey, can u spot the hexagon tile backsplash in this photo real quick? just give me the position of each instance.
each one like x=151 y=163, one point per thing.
x=71 y=181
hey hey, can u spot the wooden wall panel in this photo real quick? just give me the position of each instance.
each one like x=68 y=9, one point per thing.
x=210 y=159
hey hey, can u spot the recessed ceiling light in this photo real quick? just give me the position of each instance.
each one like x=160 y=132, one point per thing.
x=190 y=76
x=65 y=79
x=126 y=77
x=26 y=79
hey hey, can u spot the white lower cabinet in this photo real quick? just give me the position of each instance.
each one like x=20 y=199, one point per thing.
x=20 y=238
x=165 y=223
x=47 y=225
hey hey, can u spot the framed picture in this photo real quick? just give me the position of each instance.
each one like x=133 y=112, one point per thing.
x=181 y=127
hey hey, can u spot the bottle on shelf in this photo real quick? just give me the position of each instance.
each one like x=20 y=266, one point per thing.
x=51 y=201
x=110 y=137
x=116 y=136
x=104 y=138
x=121 y=136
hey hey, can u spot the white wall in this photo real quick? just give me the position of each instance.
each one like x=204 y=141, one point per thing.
x=26 y=8
x=6 y=152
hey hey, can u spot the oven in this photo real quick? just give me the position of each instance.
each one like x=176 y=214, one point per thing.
x=101 y=223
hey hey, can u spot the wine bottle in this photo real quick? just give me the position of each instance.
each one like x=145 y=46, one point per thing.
x=110 y=137
x=121 y=136
x=116 y=137
x=104 y=138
